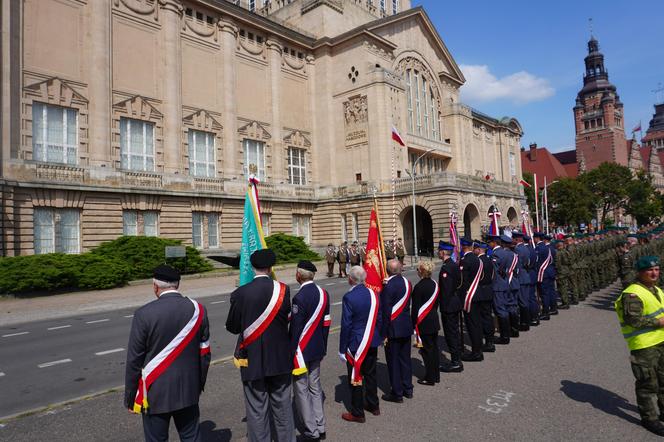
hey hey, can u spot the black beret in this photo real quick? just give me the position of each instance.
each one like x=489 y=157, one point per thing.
x=307 y=265
x=166 y=273
x=517 y=234
x=539 y=234
x=263 y=259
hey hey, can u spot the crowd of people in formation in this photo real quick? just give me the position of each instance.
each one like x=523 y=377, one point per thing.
x=345 y=256
x=510 y=280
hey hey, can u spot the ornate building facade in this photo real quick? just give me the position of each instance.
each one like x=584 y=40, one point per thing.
x=144 y=117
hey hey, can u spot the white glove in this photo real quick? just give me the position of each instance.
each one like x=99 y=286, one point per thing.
x=342 y=357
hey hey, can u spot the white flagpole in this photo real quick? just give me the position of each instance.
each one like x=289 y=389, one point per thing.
x=546 y=204
x=536 y=203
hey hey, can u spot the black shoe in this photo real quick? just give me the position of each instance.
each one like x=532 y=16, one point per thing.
x=534 y=323
x=653 y=426
x=452 y=367
x=408 y=395
x=524 y=327
x=502 y=341
x=488 y=348
x=514 y=333
x=392 y=398
x=564 y=307
x=472 y=357
x=544 y=318
x=553 y=312
x=574 y=302
x=322 y=436
x=309 y=439
x=425 y=382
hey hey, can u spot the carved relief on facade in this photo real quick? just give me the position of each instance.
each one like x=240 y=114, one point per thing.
x=378 y=51
x=254 y=130
x=296 y=139
x=302 y=208
x=144 y=10
x=356 y=118
x=208 y=205
x=134 y=201
x=60 y=199
x=199 y=27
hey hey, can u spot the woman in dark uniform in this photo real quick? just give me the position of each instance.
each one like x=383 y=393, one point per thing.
x=424 y=315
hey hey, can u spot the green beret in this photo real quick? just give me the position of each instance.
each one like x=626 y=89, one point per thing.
x=647 y=262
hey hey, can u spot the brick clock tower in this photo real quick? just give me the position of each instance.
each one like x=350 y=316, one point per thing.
x=598 y=116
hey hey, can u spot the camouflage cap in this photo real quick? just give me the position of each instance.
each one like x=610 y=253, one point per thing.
x=647 y=262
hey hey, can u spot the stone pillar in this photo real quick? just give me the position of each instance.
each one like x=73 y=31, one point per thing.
x=278 y=153
x=230 y=148
x=171 y=84
x=314 y=152
x=99 y=106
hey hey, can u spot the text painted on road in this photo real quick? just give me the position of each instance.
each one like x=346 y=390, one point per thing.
x=51 y=364
x=108 y=352
x=97 y=321
x=497 y=402
x=15 y=334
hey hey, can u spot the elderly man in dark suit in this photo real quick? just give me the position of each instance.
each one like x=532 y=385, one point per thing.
x=168 y=356
x=259 y=314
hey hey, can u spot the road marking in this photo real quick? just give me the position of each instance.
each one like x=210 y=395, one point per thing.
x=108 y=352
x=15 y=334
x=217 y=302
x=97 y=321
x=1 y=374
x=50 y=364
x=58 y=328
x=129 y=316
x=337 y=303
x=332 y=283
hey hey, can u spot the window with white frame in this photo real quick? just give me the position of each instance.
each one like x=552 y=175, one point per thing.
x=395 y=6
x=296 y=166
x=265 y=223
x=423 y=118
x=356 y=227
x=254 y=157
x=56 y=230
x=382 y=5
x=201 y=154
x=54 y=134
x=205 y=230
x=140 y=223
x=344 y=233
x=252 y=5
x=512 y=160
x=302 y=227
x=136 y=145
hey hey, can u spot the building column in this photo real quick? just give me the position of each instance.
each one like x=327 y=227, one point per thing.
x=278 y=155
x=314 y=152
x=99 y=107
x=172 y=84
x=229 y=36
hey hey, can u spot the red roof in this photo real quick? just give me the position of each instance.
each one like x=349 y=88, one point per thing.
x=538 y=160
x=572 y=169
x=645 y=157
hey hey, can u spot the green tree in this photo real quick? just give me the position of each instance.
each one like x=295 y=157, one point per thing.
x=608 y=183
x=571 y=202
x=644 y=202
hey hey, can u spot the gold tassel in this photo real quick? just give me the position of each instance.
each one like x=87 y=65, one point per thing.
x=241 y=362
x=356 y=384
x=299 y=371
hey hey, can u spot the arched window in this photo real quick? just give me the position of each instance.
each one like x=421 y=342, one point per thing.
x=423 y=116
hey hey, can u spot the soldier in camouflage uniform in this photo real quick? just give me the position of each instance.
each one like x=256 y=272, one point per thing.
x=563 y=274
x=640 y=310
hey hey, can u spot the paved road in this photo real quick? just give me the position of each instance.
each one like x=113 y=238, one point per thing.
x=51 y=361
x=568 y=379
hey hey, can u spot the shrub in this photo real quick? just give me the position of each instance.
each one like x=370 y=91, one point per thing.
x=144 y=253
x=290 y=248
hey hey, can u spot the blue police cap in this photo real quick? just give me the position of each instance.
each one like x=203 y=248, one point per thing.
x=444 y=245
x=481 y=245
x=506 y=239
x=526 y=238
x=517 y=234
x=466 y=242
x=539 y=234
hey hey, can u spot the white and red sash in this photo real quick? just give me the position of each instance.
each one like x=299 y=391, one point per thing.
x=167 y=355
x=515 y=260
x=397 y=308
x=357 y=359
x=545 y=264
x=423 y=312
x=473 y=287
x=310 y=327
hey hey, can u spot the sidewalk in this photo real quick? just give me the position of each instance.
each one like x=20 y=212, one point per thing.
x=20 y=310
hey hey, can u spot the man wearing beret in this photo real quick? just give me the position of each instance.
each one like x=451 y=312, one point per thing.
x=259 y=314
x=168 y=357
x=449 y=282
x=309 y=329
x=640 y=310
x=330 y=259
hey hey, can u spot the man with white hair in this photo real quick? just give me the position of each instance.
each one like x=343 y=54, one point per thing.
x=358 y=345
x=168 y=357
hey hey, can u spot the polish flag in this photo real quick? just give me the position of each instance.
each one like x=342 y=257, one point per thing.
x=396 y=137
x=637 y=128
x=525 y=183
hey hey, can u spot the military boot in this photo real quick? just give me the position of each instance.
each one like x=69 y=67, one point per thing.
x=656 y=427
x=524 y=315
x=488 y=346
x=505 y=332
x=514 y=325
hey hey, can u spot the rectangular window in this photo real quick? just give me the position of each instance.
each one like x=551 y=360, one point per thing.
x=130 y=223
x=395 y=6
x=140 y=223
x=150 y=224
x=201 y=154
x=296 y=166
x=213 y=230
x=382 y=5
x=344 y=233
x=435 y=133
x=426 y=105
x=416 y=93
x=205 y=230
x=301 y=227
x=136 y=145
x=356 y=228
x=265 y=223
x=254 y=158
x=512 y=164
x=56 y=230
x=54 y=134
x=409 y=98
x=252 y=5
x=197 y=229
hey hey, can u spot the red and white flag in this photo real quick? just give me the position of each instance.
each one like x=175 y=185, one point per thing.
x=524 y=183
x=397 y=137
x=637 y=128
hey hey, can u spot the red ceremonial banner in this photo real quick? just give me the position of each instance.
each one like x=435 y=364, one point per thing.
x=373 y=262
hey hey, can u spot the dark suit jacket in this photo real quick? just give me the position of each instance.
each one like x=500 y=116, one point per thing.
x=449 y=280
x=485 y=290
x=304 y=306
x=153 y=327
x=421 y=294
x=402 y=326
x=470 y=265
x=355 y=307
x=271 y=354
x=501 y=261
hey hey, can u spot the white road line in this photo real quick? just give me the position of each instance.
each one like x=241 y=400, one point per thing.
x=217 y=302
x=59 y=327
x=97 y=321
x=50 y=364
x=129 y=316
x=108 y=352
x=1 y=374
x=15 y=334
x=337 y=303
x=331 y=283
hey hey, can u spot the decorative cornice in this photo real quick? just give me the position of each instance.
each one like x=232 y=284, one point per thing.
x=228 y=26
x=172 y=6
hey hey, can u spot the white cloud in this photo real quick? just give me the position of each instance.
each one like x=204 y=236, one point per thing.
x=520 y=87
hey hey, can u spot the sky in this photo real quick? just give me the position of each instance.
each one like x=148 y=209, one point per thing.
x=524 y=59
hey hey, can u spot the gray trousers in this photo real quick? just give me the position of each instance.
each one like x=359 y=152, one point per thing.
x=308 y=397
x=269 y=409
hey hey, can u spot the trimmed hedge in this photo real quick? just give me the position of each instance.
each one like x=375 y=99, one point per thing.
x=290 y=248
x=144 y=253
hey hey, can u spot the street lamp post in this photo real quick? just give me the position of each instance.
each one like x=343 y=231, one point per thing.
x=412 y=178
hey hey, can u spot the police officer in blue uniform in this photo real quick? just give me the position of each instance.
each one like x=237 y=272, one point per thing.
x=397 y=333
x=553 y=305
x=533 y=303
x=174 y=393
x=485 y=296
x=523 y=275
x=449 y=282
x=470 y=267
x=504 y=303
x=546 y=286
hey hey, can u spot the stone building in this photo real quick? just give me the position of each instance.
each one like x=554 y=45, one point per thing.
x=144 y=117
